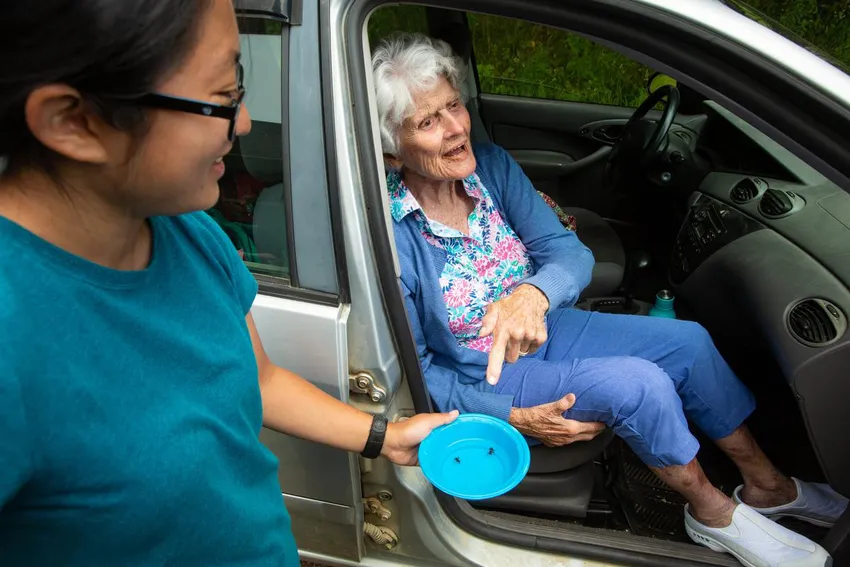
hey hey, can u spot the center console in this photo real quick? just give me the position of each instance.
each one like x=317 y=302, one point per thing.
x=616 y=304
x=709 y=226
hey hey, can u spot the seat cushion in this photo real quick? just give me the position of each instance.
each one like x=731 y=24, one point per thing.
x=597 y=234
x=546 y=460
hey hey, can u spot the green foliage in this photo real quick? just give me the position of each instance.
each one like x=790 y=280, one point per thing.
x=820 y=25
x=521 y=58
x=272 y=27
x=524 y=59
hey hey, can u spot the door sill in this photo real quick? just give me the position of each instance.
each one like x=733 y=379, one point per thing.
x=574 y=540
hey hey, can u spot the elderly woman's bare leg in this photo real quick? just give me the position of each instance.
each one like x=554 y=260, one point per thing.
x=708 y=505
x=712 y=398
x=715 y=520
x=773 y=494
x=764 y=484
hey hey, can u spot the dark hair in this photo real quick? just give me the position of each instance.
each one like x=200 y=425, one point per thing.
x=111 y=51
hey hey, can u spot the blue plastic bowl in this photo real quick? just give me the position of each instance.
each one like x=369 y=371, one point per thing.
x=475 y=457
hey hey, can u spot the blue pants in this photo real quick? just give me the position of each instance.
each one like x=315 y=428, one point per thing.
x=639 y=375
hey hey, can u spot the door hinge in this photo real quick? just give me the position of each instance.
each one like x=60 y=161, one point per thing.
x=376 y=507
x=381 y=535
x=364 y=383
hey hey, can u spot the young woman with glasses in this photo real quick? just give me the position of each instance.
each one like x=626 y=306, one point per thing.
x=129 y=435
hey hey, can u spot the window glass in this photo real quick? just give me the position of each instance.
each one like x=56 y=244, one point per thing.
x=822 y=27
x=251 y=209
x=532 y=60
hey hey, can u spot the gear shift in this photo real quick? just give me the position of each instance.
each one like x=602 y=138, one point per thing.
x=638 y=262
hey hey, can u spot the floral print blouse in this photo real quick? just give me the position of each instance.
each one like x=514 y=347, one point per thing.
x=481 y=267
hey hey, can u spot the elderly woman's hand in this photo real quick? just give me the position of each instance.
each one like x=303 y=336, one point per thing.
x=518 y=326
x=547 y=423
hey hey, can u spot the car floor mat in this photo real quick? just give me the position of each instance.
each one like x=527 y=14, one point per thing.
x=651 y=508
x=654 y=510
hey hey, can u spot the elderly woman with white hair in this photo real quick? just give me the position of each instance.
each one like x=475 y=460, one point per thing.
x=489 y=276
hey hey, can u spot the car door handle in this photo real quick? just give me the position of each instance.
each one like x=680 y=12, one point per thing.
x=563 y=164
x=608 y=134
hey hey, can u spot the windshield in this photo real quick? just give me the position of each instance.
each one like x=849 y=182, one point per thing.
x=822 y=26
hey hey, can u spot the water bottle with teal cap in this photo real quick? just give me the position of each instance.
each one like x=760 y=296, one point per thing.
x=663 y=305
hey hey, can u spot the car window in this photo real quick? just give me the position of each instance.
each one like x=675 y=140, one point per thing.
x=525 y=59
x=252 y=206
x=385 y=21
x=821 y=27
x=532 y=60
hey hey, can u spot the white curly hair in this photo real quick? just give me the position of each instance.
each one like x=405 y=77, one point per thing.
x=402 y=65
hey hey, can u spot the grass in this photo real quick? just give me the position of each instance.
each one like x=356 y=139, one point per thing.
x=524 y=59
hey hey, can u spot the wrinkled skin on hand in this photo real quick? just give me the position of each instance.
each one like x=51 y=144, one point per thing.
x=547 y=423
x=518 y=326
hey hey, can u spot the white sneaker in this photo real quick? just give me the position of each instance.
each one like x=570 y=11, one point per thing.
x=756 y=541
x=817 y=504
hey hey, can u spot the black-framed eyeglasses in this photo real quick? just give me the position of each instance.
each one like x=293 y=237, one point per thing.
x=227 y=111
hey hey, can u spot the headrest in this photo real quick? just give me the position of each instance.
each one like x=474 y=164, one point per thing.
x=457 y=35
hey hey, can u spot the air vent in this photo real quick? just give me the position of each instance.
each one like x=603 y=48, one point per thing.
x=776 y=204
x=815 y=322
x=745 y=191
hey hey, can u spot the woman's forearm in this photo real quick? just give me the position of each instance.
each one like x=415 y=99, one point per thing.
x=296 y=407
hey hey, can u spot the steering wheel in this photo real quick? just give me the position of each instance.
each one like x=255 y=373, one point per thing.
x=642 y=141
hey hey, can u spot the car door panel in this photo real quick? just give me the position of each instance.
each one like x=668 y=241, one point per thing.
x=545 y=115
x=318 y=482
x=559 y=144
x=318 y=472
x=547 y=163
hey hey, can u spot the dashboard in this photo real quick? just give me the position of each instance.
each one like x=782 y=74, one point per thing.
x=765 y=247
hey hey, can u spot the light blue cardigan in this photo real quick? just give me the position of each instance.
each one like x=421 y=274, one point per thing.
x=562 y=267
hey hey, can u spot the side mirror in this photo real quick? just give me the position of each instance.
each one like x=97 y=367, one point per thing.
x=658 y=80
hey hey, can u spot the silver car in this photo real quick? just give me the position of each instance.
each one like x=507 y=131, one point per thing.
x=743 y=215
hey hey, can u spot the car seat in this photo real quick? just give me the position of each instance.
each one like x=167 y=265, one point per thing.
x=560 y=480
x=594 y=231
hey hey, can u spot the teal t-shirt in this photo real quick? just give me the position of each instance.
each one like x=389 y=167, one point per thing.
x=130 y=408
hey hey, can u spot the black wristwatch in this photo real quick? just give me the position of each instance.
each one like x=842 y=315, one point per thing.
x=375 y=442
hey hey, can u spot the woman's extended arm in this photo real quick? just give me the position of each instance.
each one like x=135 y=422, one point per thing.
x=296 y=407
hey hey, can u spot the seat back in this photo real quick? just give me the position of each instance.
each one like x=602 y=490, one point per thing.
x=457 y=35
